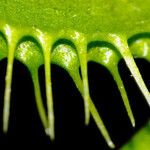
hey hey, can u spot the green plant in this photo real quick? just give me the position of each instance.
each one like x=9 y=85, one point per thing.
x=135 y=143
x=71 y=34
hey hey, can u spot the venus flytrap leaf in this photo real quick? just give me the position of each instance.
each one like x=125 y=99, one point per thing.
x=136 y=142
x=70 y=61
x=88 y=21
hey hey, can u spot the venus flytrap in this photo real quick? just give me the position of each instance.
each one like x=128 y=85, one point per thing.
x=49 y=34
x=34 y=43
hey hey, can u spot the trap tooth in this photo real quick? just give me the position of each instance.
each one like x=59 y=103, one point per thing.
x=43 y=42
x=64 y=52
x=99 y=122
x=103 y=53
x=38 y=99
x=12 y=39
x=46 y=42
x=122 y=46
x=117 y=78
x=100 y=125
x=49 y=96
x=80 y=43
x=27 y=50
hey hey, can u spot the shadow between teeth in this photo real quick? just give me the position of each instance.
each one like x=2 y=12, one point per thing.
x=69 y=59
